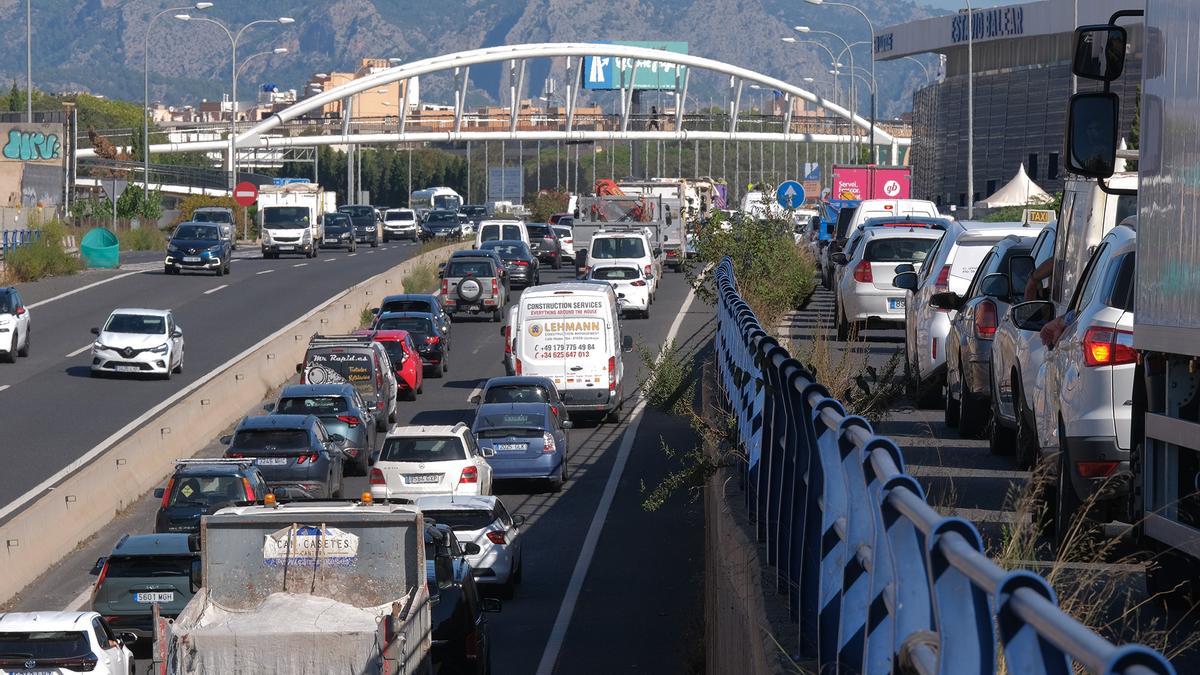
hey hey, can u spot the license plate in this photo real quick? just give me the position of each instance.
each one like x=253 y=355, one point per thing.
x=895 y=304
x=286 y=248
x=507 y=447
x=128 y=369
x=271 y=461
x=191 y=259
x=29 y=672
x=167 y=596
x=425 y=478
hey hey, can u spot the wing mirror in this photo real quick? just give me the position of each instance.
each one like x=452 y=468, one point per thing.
x=159 y=492
x=127 y=637
x=299 y=368
x=1031 y=316
x=487 y=452
x=948 y=300
x=177 y=333
x=518 y=521
x=906 y=281
x=1092 y=134
x=226 y=440
x=490 y=605
x=473 y=399
x=95 y=571
x=270 y=407
x=995 y=286
x=627 y=343
x=905 y=267
x=568 y=424
x=337 y=438
x=95 y=331
x=1099 y=52
x=839 y=258
x=470 y=548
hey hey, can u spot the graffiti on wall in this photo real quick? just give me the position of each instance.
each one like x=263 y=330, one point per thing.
x=31 y=145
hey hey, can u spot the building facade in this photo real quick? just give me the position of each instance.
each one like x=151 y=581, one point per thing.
x=1022 y=82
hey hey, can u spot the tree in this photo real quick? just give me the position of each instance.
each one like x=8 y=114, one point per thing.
x=15 y=100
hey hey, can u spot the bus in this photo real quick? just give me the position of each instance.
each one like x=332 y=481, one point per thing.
x=423 y=201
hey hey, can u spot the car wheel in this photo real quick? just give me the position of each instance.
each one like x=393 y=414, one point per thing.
x=227 y=267
x=558 y=261
x=928 y=393
x=950 y=417
x=1067 y=504
x=1026 y=436
x=179 y=366
x=421 y=389
x=336 y=493
x=843 y=326
x=221 y=271
x=509 y=588
x=972 y=414
x=381 y=423
x=496 y=316
x=437 y=372
x=613 y=416
x=24 y=351
x=556 y=484
x=520 y=573
x=11 y=355
x=410 y=395
x=374 y=244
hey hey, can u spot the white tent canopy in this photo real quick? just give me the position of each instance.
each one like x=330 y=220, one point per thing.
x=1019 y=191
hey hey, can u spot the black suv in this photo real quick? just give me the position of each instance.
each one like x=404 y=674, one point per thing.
x=367 y=228
x=461 y=642
x=202 y=486
x=543 y=242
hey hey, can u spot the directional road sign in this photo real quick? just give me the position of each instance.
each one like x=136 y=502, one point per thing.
x=790 y=194
x=245 y=193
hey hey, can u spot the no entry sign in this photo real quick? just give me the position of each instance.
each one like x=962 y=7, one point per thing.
x=245 y=194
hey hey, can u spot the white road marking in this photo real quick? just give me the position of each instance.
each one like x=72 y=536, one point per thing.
x=351 y=255
x=81 y=289
x=371 y=251
x=80 y=600
x=214 y=290
x=299 y=265
x=330 y=259
x=563 y=621
x=4 y=386
x=79 y=351
x=263 y=272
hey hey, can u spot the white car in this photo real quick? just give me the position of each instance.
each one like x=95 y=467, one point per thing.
x=400 y=224
x=566 y=240
x=63 y=642
x=633 y=292
x=501 y=230
x=484 y=521
x=138 y=341
x=1085 y=386
x=425 y=460
x=950 y=267
x=865 y=291
x=14 y=325
x=630 y=246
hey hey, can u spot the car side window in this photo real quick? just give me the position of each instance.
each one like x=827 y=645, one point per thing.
x=980 y=273
x=1120 y=283
x=929 y=259
x=104 y=634
x=1091 y=277
x=501 y=514
x=472 y=447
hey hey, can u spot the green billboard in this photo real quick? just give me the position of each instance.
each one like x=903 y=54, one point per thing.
x=612 y=72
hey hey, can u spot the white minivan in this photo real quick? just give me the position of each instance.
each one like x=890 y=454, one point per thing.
x=626 y=245
x=571 y=333
x=496 y=230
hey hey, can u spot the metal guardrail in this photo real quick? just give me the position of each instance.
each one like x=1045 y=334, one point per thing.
x=878 y=581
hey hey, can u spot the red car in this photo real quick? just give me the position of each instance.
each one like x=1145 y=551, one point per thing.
x=410 y=378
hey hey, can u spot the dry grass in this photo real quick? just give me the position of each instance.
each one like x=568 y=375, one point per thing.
x=422 y=279
x=846 y=372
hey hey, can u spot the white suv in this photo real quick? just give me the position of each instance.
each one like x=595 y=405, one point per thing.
x=425 y=460
x=627 y=246
x=14 y=325
x=484 y=521
x=63 y=642
x=400 y=224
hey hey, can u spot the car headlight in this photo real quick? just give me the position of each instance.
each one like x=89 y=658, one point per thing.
x=172 y=248
x=98 y=345
x=215 y=249
x=161 y=349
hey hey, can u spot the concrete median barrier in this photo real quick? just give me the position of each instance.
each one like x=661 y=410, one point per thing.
x=108 y=479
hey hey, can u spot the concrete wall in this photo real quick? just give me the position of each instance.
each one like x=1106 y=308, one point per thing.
x=57 y=521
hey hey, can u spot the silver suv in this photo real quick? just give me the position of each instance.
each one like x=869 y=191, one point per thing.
x=473 y=285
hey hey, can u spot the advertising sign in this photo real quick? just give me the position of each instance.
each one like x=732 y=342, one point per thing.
x=305 y=545
x=871 y=182
x=505 y=184
x=611 y=72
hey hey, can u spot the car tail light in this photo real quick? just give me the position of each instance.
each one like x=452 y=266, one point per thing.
x=495 y=288
x=1096 y=469
x=103 y=573
x=522 y=263
x=249 y=489
x=310 y=458
x=496 y=537
x=933 y=349
x=445 y=287
x=517 y=366
x=379 y=405
x=433 y=340
x=167 y=492
x=234 y=455
x=862 y=273
x=548 y=445
x=648 y=271
x=985 y=320
x=942 y=284
x=377 y=477
x=469 y=475
x=612 y=374
x=639 y=283
x=352 y=420
x=1108 y=347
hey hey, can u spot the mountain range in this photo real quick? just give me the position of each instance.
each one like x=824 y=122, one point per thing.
x=98 y=45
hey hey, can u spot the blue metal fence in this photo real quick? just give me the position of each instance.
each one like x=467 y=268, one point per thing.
x=877 y=580
x=10 y=239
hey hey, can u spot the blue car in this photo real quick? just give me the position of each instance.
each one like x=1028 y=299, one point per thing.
x=198 y=246
x=528 y=439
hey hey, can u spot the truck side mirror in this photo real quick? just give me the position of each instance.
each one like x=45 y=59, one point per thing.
x=1099 y=52
x=1092 y=134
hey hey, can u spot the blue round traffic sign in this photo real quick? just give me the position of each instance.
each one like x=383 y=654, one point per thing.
x=790 y=194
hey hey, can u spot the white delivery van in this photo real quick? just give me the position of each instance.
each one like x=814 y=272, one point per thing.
x=571 y=333
x=495 y=230
x=887 y=208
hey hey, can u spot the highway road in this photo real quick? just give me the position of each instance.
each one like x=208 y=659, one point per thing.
x=59 y=412
x=608 y=587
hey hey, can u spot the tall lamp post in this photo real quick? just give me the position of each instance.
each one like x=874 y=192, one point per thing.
x=919 y=63
x=146 y=89
x=233 y=70
x=29 y=61
x=970 y=112
x=847 y=50
x=872 y=27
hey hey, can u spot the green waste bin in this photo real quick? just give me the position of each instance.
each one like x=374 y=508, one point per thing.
x=100 y=249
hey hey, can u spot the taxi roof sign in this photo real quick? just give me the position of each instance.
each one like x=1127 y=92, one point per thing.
x=1039 y=217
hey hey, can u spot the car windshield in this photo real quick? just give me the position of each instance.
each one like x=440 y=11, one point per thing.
x=358 y=211
x=442 y=219
x=422 y=449
x=413 y=324
x=506 y=432
x=395 y=351
x=407 y=306
x=337 y=220
x=898 y=250
x=6 y=303
x=461 y=520
x=616 y=274
x=138 y=324
x=285 y=215
x=539 y=231
x=207 y=490
x=198 y=232
x=212 y=217
x=313 y=405
x=252 y=440
x=563 y=231
x=618 y=247
x=399 y=215
x=508 y=251
x=469 y=268
x=446 y=202
x=149 y=566
x=44 y=644
x=516 y=393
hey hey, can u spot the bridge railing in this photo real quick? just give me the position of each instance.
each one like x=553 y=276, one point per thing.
x=877 y=580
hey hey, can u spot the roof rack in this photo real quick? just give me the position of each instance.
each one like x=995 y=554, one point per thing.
x=325 y=340
x=216 y=460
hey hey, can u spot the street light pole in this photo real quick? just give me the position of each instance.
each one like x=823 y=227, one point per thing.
x=872 y=27
x=847 y=50
x=970 y=112
x=918 y=62
x=29 y=61
x=146 y=90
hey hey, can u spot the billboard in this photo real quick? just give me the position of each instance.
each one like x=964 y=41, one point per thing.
x=505 y=184
x=611 y=72
x=871 y=182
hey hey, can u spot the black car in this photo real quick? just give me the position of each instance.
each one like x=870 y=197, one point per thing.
x=461 y=641
x=291 y=451
x=519 y=262
x=201 y=486
x=543 y=242
x=198 y=246
x=442 y=223
x=426 y=303
x=475 y=212
x=432 y=342
x=144 y=570
x=339 y=231
x=367 y=229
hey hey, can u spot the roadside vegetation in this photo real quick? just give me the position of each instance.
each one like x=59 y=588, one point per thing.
x=142 y=239
x=421 y=280
x=844 y=369
x=43 y=257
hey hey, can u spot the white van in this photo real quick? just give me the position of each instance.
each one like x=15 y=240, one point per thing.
x=508 y=230
x=571 y=333
x=884 y=208
x=628 y=245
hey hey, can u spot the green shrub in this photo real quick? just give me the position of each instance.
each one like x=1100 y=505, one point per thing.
x=42 y=258
x=144 y=238
x=421 y=280
x=668 y=380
